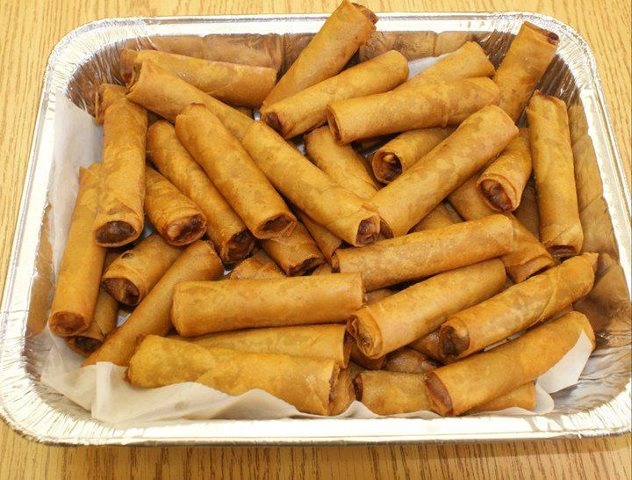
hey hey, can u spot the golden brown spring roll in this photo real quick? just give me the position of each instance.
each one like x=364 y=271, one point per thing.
x=517 y=308
x=207 y=307
x=324 y=269
x=527 y=211
x=326 y=341
x=528 y=256
x=468 y=61
x=369 y=363
x=407 y=360
x=135 y=272
x=261 y=50
x=348 y=27
x=463 y=385
x=327 y=242
x=151 y=317
x=106 y=95
x=440 y=216
x=234 y=173
x=343 y=393
x=408 y=199
x=104 y=320
x=503 y=182
x=422 y=106
x=296 y=254
x=257 y=267
x=120 y=216
x=400 y=154
x=310 y=189
x=226 y=230
x=416 y=311
x=430 y=346
x=166 y=95
x=425 y=253
x=229 y=82
x=174 y=215
x=77 y=287
x=521 y=397
x=412 y=45
x=529 y=55
x=340 y=162
x=306 y=383
x=554 y=171
x=307 y=108
x=377 y=295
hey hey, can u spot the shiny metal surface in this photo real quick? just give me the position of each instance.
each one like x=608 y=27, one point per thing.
x=598 y=405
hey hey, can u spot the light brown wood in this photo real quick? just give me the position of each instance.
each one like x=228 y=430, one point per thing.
x=30 y=29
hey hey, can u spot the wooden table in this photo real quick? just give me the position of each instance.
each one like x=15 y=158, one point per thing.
x=30 y=29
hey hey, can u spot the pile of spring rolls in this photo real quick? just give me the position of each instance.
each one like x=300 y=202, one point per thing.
x=394 y=278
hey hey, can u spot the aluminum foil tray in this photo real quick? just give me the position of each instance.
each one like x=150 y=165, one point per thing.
x=598 y=405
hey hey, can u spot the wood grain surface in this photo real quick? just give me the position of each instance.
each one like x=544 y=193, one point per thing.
x=29 y=29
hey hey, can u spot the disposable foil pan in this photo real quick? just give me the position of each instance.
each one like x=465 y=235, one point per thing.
x=598 y=405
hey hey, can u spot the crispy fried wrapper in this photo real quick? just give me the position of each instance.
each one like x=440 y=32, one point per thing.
x=527 y=211
x=106 y=95
x=519 y=307
x=327 y=341
x=232 y=83
x=234 y=173
x=442 y=215
x=416 y=311
x=297 y=253
x=307 y=109
x=306 y=383
x=151 y=317
x=408 y=360
x=120 y=218
x=553 y=167
x=430 y=346
x=341 y=212
x=456 y=388
x=327 y=242
x=204 y=307
x=408 y=199
x=529 y=55
x=503 y=182
x=257 y=267
x=348 y=27
x=226 y=230
x=135 y=272
x=72 y=310
x=174 y=215
x=421 y=106
x=365 y=362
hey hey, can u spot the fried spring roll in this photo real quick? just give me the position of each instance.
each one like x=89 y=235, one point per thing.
x=408 y=199
x=407 y=360
x=430 y=346
x=369 y=363
x=106 y=95
x=528 y=256
x=416 y=311
x=527 y=211
x=343 y=393
x=425 y=253
x=313 y=341
x=234 y=173
x=103 y=322
x=327 y=242
x=207 y=307
x=120 y=217
x=178 y=220
x=348 y=27
x=466 y=384
x=529 y=55
x=296 y=254
x=519 y=307
x=77 y=287
x=521 y=397
x=229 y=82
x=257 y=267
x=342 y=163
x=226 y=230
x=310 y=189
x=306 y=383
x=166 y=95
x=401 y=153
x=377 y=295
x=560 y=226
x=324 y=269
x=423 y=106
x=503 y=182
x=440 y=216
x=151 y=317
x=468 y=61
x=135 y=272
x=307 y=108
